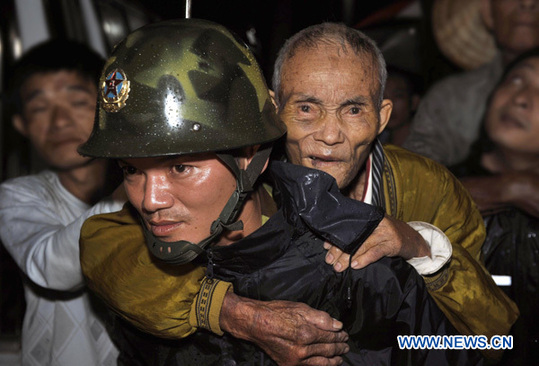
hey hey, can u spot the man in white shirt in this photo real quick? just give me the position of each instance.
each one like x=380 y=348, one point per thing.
x=55 y=91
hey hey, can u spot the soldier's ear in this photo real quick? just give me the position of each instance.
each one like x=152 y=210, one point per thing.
x=19 y=125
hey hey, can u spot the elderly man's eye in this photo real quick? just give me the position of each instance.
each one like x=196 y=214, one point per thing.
x=305 y=108
x=355 y=110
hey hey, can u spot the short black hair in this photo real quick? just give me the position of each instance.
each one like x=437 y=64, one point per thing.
x=534 y=52
x=53 y=56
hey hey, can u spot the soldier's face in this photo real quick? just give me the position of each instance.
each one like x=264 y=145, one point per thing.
x=178 y=197
x=330 y=110
x=58 y=116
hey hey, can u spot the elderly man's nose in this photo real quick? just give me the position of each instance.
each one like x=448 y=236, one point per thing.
x=330 y=130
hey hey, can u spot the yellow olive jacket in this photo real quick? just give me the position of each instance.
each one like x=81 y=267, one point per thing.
x=172 y=301
x=419 y=189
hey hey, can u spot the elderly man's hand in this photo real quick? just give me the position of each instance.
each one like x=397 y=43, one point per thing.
x=392 y=238
x=290 y=333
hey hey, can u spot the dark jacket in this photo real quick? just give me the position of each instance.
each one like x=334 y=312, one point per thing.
x=284 y=259
x=511 y=248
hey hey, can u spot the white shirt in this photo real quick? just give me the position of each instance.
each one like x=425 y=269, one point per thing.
x=40 y=224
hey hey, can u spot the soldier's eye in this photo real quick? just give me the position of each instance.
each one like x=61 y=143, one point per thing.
x=180 y=168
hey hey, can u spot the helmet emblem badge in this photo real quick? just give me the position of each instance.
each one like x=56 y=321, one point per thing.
x=115 y=91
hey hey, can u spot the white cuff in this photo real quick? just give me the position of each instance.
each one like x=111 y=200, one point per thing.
x=440 y=248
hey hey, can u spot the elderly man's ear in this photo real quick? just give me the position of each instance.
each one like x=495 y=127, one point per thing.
x=385 y=112
x=272 y=96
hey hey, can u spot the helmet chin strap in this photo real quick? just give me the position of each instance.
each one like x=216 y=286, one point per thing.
x=182 y=251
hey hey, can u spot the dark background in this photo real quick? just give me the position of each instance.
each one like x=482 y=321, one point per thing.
x=276 y=20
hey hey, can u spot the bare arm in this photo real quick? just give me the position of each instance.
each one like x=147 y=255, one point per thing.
x=290 y=333
x=492 y=193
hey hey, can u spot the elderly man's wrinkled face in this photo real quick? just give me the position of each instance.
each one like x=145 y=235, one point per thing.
x=328 y=105
x=178 y=197
x=513 y=115
x=515 y=24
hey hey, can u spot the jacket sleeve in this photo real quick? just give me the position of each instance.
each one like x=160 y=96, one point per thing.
x=464 y=290
x=42 y=243
x=158 y=298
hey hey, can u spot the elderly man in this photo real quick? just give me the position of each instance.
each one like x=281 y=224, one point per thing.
x=54 y=92
x=190 y=176
x=329 y=83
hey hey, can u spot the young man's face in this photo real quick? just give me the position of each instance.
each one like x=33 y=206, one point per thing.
x=329 y=110
x=178 y=197
x=513 y=115
x=58 y=116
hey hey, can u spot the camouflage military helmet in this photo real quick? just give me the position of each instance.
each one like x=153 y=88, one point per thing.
x=178 y=87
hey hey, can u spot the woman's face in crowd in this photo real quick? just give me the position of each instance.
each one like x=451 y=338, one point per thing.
x=513 y=116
